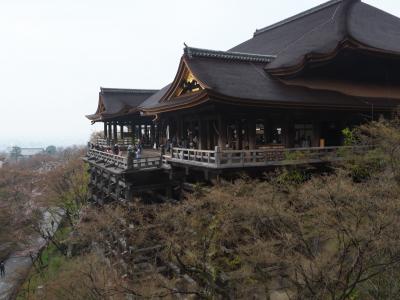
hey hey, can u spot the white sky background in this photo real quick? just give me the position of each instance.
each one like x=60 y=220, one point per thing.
x=55 y=54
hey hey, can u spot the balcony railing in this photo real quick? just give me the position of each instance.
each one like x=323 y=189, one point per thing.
x=255 y=158
x=224 y=159
x=208 y=157
x=121 y=142
x=110 y=160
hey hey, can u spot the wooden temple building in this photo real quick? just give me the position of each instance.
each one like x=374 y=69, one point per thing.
x=290 y=89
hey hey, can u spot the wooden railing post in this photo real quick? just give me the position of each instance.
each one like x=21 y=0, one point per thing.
x=217 y=156
x=130 y=160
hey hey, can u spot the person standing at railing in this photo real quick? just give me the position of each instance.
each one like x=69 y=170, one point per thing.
x=116 y=149
x=131 y=155
x=195 y=142
x=162 y=147
x=139 y=152
x=168 y=145
x=174 y=141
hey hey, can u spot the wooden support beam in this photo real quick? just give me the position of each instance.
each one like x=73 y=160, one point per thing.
x=208 y=133
x=140 y=132
x=105 y=130
x=289 y=132
x=115 y=136
x=222 y=130
x=316 y=134
x=239 y=134
x=178 y=131
x=229 y=133
x=202 y=137
x=152 y=134
x=267 y=131
x=121 y=127
x=131 y=129
x=128 y=192
x=251 y=124
x=109 y=131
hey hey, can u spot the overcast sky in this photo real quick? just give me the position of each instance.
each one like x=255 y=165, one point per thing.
x=55 y=54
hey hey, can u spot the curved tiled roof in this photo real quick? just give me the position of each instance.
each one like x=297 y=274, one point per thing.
x=113 y=102
x=321 y=30
x=244 y=73
x=249 y=81
x=154 y=99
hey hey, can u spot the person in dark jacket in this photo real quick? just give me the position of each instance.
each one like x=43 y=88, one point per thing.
x=116 y=149
x=2 y=269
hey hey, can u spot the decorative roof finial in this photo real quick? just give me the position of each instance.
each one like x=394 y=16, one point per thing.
x=187 y=50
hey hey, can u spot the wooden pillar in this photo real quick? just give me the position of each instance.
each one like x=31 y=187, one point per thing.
x=316 y=134
x=128 y=192
x=115 y=135
x=109 y=131
x=202 y=135
x=208 y=143
x=178 y=130
x=158 y=127
x=240 y=135
x=267 y=131
x=285 y=132
x=222 y=138
x=152 y=134
x=131 y=132
x=121 y=128
x=251 y=124
x=105 y=130
x=136 y=132
x=140 y=133
x=290 y=132
x=229 y=134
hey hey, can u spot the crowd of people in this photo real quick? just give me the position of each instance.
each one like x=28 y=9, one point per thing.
x=136 y=149
x=190 y=141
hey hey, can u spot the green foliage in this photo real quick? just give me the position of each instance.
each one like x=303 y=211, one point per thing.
x=380 y=150
x=349 y=137
x=290 y=176
x=363 y=166
x=51 y=150
x=198 y=190
x=296 y=155
x=15 y=152
x=46 y=267
x=68 y=188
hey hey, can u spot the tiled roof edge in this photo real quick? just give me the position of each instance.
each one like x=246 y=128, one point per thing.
x=127 y=91
x=249 y=57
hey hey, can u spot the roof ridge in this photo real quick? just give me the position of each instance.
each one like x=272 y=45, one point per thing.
x=298 y=16
x=119 y=90
x=348 y=6
x=250 y=57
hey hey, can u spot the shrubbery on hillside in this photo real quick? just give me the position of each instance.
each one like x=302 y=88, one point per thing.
x=328 y=236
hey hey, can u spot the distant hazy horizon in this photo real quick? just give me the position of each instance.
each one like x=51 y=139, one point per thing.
x=56 y=54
